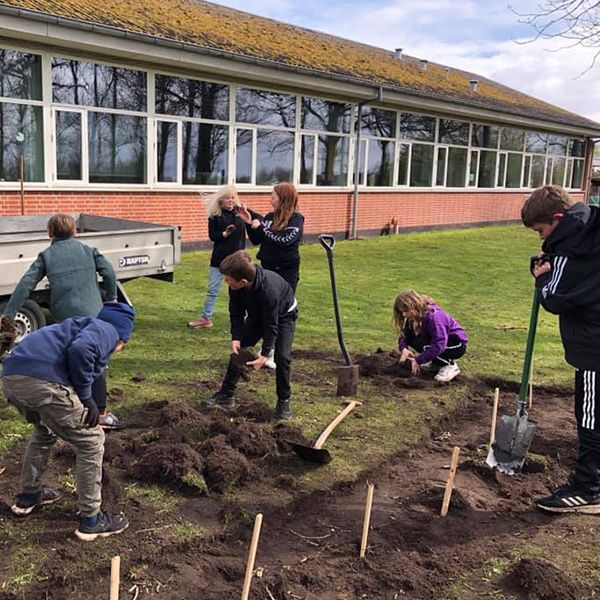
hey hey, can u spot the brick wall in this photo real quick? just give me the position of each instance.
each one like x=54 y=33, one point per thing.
x=324 y=211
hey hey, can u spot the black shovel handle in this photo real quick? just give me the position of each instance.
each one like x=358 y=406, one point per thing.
x=328 y=242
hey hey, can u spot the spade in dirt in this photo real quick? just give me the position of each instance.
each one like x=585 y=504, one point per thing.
x=348 y=374
x=317 y=453
x=515 y=432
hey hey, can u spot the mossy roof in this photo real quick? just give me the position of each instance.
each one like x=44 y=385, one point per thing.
x=224 y=29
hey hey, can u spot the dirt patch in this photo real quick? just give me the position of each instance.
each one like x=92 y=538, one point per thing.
x=225 y=467
x=252 y=440
x=541 y=579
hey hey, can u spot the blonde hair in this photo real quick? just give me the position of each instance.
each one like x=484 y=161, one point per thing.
x=288 y=203
x=213 y=201
x=410 y=307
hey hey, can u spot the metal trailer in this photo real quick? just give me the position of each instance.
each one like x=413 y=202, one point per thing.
x=134 y=248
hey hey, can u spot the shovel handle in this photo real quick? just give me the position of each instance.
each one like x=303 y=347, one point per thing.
x=525 y=376
x=327 y=241
x=329 y=429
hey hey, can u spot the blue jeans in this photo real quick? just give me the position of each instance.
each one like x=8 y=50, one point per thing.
x=215 y=279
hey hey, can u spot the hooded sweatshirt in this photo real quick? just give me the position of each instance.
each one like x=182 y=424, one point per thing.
x=571 y=289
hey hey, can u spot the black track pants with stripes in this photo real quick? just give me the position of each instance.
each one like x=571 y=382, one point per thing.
x=587 y=413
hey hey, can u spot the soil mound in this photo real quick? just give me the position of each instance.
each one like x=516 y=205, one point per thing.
x=543 y=580
x=252 y=440
x=177 y=464
x=255 y=411
x=225 y=467
x=383 y=363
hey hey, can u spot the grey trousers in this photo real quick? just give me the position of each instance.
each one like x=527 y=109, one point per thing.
x=57 y=412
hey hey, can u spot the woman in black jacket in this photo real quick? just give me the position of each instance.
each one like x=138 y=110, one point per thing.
x=279 y=233
x=226 y=231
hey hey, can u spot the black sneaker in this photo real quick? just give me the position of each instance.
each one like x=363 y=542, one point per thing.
x=283 y=410
x=219 y=399
x=106 y=525
x=569 y=499
x=26 y=503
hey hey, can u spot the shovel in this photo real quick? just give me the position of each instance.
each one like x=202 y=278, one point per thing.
x=515 y=433
x=348 y=374
x=317 y=453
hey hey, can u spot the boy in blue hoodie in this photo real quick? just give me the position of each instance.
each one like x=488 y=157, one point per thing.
x=48 y=378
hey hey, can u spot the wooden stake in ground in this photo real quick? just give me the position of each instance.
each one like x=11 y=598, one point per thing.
x=494 y=416
x=450 y=482
x=252 y=556
x=115 y=576
x=367 y=521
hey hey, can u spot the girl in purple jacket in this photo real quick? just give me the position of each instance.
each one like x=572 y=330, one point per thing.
x=437 y=338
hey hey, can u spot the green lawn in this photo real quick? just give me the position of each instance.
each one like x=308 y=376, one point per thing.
x=479 y=275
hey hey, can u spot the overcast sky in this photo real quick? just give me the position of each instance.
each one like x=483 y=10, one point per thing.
x=476 y=35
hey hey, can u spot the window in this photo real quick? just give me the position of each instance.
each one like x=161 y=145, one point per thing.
x=378 y=122
x=380 y=163
x=21 y=135
x=417 y=127
x=403 y=161
x=577 y=148
x=191 y=98
x=421 y=165
x=265 y=108
x=557 y=145
x=332 y=162
x=324 y=115
x=536 y=142
x=20 y=75
x=577 y=177
x=453 y=132
x=487 y=169
x=512 y=139
x=117 y=148
x=69 y=145
x=558 y=170
x=166 y=151
x=514 y=167
x=204 y=153
x=244 y=155
x=537 y=171
x=274 y=156
x=102 y=86
x=457 y=167
x=484 y=136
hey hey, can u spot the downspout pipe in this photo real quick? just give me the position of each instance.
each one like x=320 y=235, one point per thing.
x=377 y=98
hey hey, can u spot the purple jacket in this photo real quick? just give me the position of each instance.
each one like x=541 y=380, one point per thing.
x=438 y=331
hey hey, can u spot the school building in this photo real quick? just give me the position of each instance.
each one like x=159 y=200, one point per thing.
x=133 y=108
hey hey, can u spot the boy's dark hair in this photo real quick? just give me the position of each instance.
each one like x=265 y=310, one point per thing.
x=544 y=204
x=62 y=226
x=238 y=265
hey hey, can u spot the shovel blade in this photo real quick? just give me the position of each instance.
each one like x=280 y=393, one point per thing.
x=514 y=435
x=310 y=454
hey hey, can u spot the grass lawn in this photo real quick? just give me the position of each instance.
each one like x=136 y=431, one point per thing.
x=478 y=275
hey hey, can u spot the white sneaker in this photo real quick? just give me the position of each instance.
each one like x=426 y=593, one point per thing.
x=447 y=373
x=270 y=364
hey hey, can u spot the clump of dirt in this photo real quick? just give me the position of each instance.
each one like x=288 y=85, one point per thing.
x=255 y=411
x=138 y=378
x=239 y=362
x=225 y=467
x=183 y=423
x=177 y=464
x=433 y=496
x=115 y=395
x=252 y=440
x=383 y=363
x=284 y=432
x=543 y=580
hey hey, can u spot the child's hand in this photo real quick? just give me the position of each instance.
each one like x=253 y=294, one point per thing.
x=229 y=230
x=235 y=346
x=244 y=214
x=258 y=363
x=415 y=368
x=541 y=268
x=406 y=353
x=255 y=224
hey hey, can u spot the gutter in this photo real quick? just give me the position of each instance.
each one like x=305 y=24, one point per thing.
x=265 y=62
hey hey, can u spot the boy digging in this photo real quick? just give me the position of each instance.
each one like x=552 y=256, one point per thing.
x=261 y=306
x=568 y=283
x=48 y=379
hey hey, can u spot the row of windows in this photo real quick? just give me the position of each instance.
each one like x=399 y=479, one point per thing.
x=104 y=127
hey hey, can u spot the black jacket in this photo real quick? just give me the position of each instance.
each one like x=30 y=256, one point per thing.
x=269 y=299
x=572 y=288
x=277 y=248
x=224 y=246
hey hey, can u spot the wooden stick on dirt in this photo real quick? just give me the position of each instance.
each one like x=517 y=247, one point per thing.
x=366 y=522
x=252 y=556
x=450 y=482
x=494 y=416
x=115 y=576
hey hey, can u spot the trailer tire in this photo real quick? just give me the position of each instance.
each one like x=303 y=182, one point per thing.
x=29 y=318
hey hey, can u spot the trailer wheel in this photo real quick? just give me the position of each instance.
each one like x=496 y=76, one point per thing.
x=28 y=318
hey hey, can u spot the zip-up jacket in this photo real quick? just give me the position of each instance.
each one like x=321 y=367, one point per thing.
x=571 y=289
x=277 y=248
x=439 y=328
x=73 y=353
x=71 y=269
x=224 y=246
x=268 y=300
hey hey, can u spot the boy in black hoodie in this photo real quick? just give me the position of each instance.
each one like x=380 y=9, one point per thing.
x=568 y=283
x=261 y=306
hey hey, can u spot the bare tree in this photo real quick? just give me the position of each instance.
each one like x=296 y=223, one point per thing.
x=575 y=21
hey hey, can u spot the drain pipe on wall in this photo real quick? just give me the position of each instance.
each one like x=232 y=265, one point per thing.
x=354 y=227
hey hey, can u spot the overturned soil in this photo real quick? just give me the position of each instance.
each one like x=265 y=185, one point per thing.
x=309 y=546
